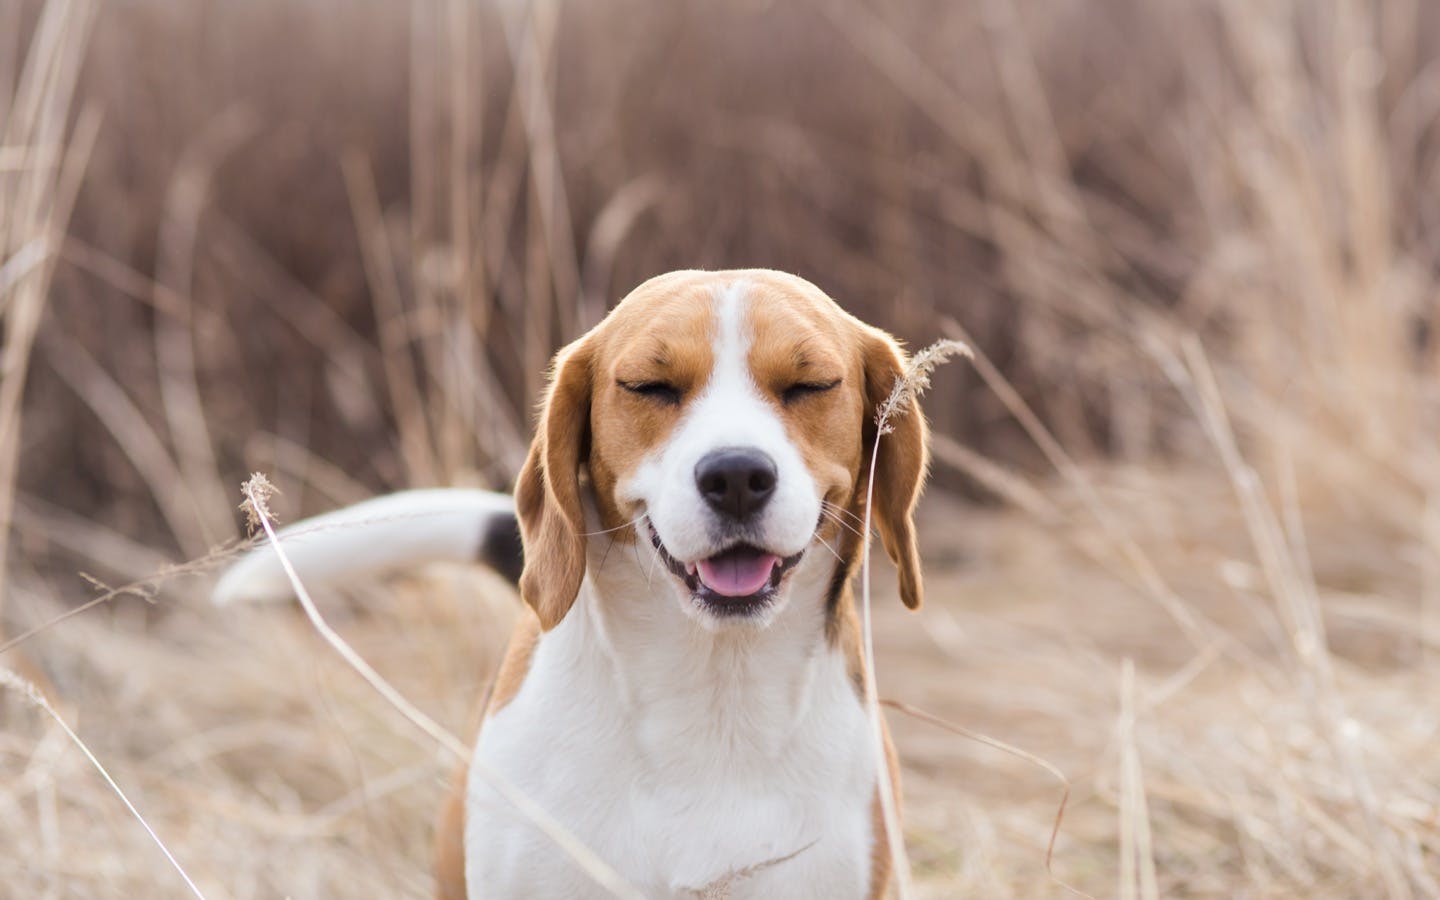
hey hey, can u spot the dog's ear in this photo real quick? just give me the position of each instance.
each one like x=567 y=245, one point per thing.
x=903 y=459
x=547 y=494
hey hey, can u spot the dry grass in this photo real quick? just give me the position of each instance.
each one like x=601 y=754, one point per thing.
x=1185 y=539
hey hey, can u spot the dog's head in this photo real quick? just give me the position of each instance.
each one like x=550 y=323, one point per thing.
x=724 y=421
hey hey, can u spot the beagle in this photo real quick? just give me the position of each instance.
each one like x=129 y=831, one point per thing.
x=683 y=692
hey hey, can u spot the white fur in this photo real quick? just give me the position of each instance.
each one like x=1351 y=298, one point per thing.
x=682 y=748
x=394 y=530
x=678 y=753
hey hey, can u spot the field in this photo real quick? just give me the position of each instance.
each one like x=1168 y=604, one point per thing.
x=1182 y=538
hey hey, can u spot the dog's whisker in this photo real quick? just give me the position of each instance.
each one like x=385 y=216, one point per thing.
x=826 y=544
x=633 y=523
x=830 y=516
x=843 y=524
x=635 y=552
x=650 y=573
x=836 y=508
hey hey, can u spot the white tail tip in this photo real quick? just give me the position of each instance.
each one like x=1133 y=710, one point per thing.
x=389 y=532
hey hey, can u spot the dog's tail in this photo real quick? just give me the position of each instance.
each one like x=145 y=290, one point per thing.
x=389 y=532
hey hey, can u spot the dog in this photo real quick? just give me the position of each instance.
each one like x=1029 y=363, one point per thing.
x=684 y=691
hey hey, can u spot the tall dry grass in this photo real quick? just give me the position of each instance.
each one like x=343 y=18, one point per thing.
x=42 y=157
x=1184 y=545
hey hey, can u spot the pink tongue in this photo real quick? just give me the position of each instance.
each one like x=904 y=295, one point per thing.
x=737 y=573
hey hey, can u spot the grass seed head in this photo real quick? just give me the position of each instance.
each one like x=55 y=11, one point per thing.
x=258 y=491
x=916 y=380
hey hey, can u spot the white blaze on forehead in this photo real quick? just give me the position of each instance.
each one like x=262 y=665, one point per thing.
x=730 y=410
x=731 y=342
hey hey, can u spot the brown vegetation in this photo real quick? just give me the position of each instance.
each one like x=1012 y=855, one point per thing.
x=1185 y=539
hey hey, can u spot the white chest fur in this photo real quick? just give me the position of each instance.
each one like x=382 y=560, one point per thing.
x=683 y=756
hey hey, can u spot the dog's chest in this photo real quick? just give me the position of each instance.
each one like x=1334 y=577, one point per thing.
x=690 y=767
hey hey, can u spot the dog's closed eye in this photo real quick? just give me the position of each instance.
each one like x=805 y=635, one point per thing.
x=654 y=390
x=797 y=392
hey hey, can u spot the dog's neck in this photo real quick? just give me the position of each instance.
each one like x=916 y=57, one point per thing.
x=687 y=753
x=732 y=685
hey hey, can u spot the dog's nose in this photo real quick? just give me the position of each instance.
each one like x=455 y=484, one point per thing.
x=736 y=481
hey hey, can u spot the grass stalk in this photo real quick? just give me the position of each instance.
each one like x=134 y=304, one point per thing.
x=257 y=494
x=10 y=679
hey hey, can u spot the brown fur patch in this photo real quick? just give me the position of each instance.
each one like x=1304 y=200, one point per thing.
x=904 y=457
x=880 y=862
x=547 y=493
x=661 y=333
x=450 y=831
x=801 y=338
x=450 y=840
x=516 y=664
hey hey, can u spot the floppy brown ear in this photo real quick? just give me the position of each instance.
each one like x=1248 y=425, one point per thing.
x=547 y=494
x=903 y=459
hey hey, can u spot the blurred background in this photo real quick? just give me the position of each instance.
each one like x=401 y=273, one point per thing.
x=1183 y=540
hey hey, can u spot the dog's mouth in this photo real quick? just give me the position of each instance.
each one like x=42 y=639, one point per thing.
x=740 y=580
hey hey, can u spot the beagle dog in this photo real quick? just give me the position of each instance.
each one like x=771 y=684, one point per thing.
x=684 y=690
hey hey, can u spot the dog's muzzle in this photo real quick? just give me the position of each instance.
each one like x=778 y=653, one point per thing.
x=740 y=580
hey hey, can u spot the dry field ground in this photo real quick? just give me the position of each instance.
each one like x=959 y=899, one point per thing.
x=1183 y=541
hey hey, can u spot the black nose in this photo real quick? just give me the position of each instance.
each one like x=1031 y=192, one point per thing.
x=736 y=481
